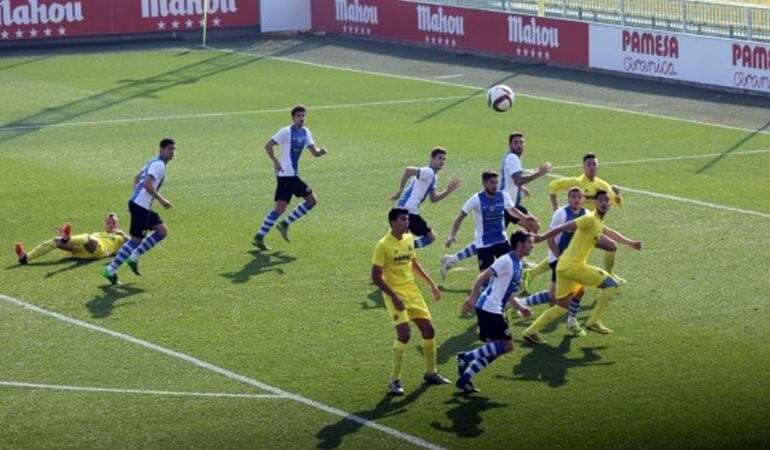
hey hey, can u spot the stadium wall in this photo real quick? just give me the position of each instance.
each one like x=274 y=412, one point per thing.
x=722 y=64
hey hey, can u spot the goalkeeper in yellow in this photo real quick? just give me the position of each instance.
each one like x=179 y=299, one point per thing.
x=590 y=184
x=81 y=246
x=573 y=273
x=393 y=265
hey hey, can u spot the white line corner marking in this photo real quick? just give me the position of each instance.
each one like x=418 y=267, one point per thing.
x=232 y=375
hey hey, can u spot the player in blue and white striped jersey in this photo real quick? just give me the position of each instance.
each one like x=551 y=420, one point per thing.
x=292 y=139
x=422 y=185
x=147 y=185
x=502 y=281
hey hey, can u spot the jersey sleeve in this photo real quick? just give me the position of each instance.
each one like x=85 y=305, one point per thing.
x=502 y=267
x=309 y=139
x=424 y=172
x=156 y=170
x=472 y=204
x=585 y=222
x=378 y=259
x=282 y=136
x=508 y=201
x=559 y=217
x=561 y=185
x=512 y=166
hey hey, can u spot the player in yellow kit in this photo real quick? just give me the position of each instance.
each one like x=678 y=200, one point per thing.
x=590 y=184
x=81 y=246
x=393 y=264
x=573 y=272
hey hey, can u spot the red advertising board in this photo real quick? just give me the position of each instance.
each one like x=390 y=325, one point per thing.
x=443 y=26
x=49 y=19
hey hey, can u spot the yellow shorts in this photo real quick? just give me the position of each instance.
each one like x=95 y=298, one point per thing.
x=415 y=305
x=80 y=252
x=571 y=276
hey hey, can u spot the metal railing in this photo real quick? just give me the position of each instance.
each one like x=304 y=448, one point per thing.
x=686 y=16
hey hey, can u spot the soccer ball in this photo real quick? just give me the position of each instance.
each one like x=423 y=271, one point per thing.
x=500 y=98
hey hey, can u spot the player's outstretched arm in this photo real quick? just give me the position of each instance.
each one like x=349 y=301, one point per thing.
x=521 y=180
x=567 y=226
x=455 y=228
x=377 y=279
x=451 y=187
x=481 y=280
x=409 y=172
x=420 y=271
x=269 y=148
x=617 y=237
x=317 y=151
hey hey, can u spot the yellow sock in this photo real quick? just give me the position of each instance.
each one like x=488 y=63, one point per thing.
x=398 y=359
x=541 y=268
x=79 y=239
x=548 y=316
x=609 y=261
x=601 y=305
x=41 y=250
x=429 y=350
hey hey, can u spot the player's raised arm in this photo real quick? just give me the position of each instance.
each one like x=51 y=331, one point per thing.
x=409 y=172
x=617 y=237
x=520 y=179
x=567 y=226
x=451 y=187
x=420 y=271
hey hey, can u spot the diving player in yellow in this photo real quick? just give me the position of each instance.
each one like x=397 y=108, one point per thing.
x=393 y=262
x=590 y=184
x=573 y=272
x=81 y=246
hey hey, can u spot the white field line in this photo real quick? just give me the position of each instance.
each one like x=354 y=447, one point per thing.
x=684 y=200
x=668 y=158
x=478 y=88
x=229 y=374
x=225 y=114
x=57 y=387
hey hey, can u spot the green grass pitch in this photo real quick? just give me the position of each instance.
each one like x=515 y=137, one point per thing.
x=687 y=367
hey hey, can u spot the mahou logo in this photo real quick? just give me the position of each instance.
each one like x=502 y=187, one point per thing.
x=33 y=12
x=438 y=22
x=653 y=44
x=355 y=12
x=531 y=34
x=165 y=8
x=751 y=56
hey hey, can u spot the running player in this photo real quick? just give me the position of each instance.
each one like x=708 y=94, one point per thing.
x=292 y=139
x=573 y=272
x=490 y=207
x=99 y=244
x=393 y=264
x=423 y=184
x=505 y=276
x=147 y=184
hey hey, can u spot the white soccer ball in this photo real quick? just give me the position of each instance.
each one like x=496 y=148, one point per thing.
x=500 y=98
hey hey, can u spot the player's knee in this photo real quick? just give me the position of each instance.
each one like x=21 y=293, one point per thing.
x=431 y=236
x=311 y=200
x=403 y=333
x=509 y=346
x=428 y=331
x=580 y=293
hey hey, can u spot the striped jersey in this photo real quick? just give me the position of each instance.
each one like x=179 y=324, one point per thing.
x=505 y=282
x=490 y=216
x=563 y=215
x=423 y=183
x=156 y=170
x=511 y=166
x=292 y=142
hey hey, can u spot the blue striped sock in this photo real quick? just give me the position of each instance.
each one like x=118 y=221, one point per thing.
x=147 y=243
x=477 y=366
x=268 y=223
x=467 y=252
x=572 y=312
x=422 y=242
x=298 y=212
x=490 y=350
x=125 y=252
x=536 y=299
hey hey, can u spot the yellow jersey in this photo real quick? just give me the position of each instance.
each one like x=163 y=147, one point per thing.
x=395 y=256
x=589 y=230
x=108 y=244
x=589 y=189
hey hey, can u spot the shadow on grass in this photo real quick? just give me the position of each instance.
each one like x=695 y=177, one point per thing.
x=68 y=263
x=549 y=365
x=262 y=263
x=465 y=415
x=734 y=147
x=102 y=306
x=377 y=302
x=331 y=436
x=461 y=342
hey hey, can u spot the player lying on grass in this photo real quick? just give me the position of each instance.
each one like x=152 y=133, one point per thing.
x=100 y=244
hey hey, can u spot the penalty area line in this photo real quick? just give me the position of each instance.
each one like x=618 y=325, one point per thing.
x=58 y=387
x=227 y=373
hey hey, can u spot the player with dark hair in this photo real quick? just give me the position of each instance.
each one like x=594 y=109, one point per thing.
x=393 y=266
x=573 y=272
x=502 y=281
x=147 y=184
x=423 y=185
x=292 y=139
